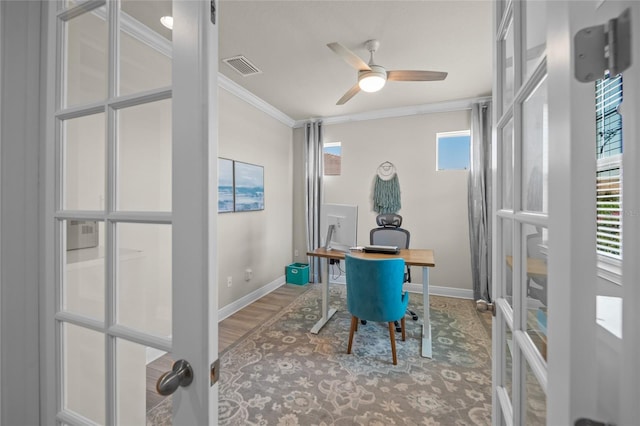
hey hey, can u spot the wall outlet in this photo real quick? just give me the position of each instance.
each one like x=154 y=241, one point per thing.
x=296 y=252
x=248 y=274
x=229 y=281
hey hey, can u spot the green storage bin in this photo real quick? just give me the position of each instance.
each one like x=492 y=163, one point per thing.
x=298 y=273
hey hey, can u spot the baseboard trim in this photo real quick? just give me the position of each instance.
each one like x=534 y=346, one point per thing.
x=232 y=308
x=458 y=293
x=245 y=301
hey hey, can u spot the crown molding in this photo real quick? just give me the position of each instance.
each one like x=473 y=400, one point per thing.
x=139 y=31
x=144 y=34
x=234 y=88
x=438 y=107
x=447 y=106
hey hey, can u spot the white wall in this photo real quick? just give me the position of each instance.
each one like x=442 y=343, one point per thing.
x=259 y=240
x=434 y=204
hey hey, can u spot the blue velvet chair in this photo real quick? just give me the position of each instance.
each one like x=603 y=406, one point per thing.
x=374 y=293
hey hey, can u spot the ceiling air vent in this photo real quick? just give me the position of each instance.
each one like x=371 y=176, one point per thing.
x=242 y=65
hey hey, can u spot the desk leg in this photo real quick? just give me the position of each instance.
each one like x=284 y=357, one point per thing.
x=426 y=325
x=326 y=312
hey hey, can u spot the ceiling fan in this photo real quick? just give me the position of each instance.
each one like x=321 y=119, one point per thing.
x=372 y=77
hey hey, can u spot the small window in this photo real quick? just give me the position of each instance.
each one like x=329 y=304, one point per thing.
x=453 y=150
x=609 y=148
x=332 y=158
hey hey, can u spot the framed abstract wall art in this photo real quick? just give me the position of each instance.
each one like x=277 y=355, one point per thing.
x=240 y=186
x=225 y=185
x=248 y=186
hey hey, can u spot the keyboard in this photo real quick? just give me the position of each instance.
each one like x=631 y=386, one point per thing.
x=381 y=249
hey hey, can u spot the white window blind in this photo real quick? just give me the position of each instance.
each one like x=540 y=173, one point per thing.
x=609 y=173
x=609 y=207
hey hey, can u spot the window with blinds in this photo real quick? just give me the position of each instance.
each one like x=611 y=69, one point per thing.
x=609 y=172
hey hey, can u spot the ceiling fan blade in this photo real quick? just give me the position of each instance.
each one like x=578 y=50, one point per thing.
x=350 y=94
x=406 y=75
x=349 y=57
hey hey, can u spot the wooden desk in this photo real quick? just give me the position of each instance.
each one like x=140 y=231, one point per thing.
x=535 y=266
x=412 y=257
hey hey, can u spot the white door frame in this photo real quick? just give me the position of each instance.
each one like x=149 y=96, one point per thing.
x=575 y=390
x=572 y=256
x=630 y=371
x=19 y=142
x=195 y=176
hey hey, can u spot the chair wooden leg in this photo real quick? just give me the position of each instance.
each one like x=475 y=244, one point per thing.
x=354 y=326
x=403 y=328
x=392 y=337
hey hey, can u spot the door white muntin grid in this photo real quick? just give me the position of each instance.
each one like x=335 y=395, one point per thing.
x=512 y=317
x=109 y=216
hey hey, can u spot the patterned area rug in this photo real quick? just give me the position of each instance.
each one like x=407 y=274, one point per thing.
x=281 y=374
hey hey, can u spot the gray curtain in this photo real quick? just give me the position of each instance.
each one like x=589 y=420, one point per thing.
x=313 y=154
x=480 y=200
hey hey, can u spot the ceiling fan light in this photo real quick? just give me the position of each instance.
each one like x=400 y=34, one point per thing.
x=372 y=81
x=167 y=21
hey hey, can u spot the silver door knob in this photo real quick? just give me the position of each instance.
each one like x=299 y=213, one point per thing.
x=484 y=306
x=180 y=375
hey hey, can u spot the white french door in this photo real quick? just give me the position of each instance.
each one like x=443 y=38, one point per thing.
x=521 y=203
x=131 y=149
x=565 y=343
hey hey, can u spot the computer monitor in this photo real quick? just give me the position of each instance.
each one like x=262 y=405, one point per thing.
x=339 y=225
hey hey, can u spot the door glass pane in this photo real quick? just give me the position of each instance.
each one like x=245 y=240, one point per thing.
x=138 y=369
x=535 y=151
x=83 y=372
x=535 y=399
x=506 y=162
x=507 y=68
x=144 y=277
x=85 y=58
x=507 y=368
x=83 y=283
x=145 y=46
x=536 y=36
x=507 y=268
x=535 y=260
x=144 y=157
x=70 y=3
x=84 y=163
x=609 y=144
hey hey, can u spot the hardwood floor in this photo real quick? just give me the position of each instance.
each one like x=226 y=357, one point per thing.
x=230 y=331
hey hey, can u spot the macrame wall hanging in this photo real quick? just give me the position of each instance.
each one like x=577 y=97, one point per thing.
x=386 y=191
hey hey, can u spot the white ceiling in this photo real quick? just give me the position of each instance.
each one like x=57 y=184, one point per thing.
x=303 y=78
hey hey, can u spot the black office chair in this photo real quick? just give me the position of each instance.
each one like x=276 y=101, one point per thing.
x=390 y=233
